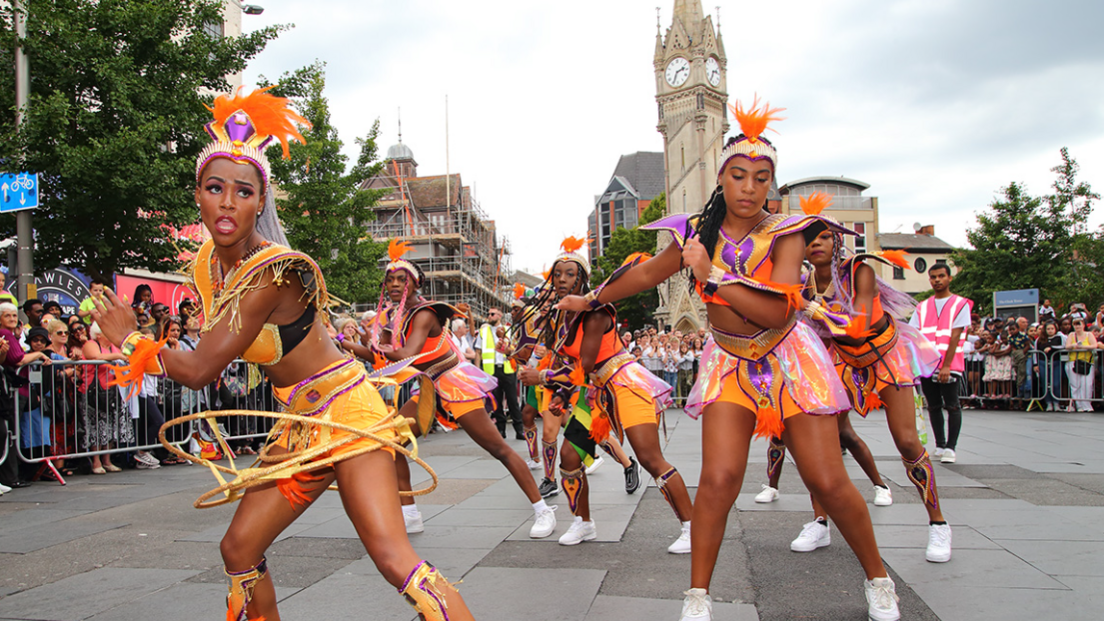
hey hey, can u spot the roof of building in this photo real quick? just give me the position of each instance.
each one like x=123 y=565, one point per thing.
x=644 y=171
x=427 y=192
x=400 y=152
x=912 y=241
x=861 y=185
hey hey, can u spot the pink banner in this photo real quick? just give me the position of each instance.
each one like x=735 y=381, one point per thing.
x=164 y=291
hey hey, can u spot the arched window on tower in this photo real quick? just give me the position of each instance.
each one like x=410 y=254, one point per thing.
x=701 y=101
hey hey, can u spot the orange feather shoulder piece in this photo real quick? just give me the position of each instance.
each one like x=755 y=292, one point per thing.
x=643 y=256
x=755 y=120
x=896 y=257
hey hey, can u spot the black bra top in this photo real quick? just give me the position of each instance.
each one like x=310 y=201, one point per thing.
x=293 y=333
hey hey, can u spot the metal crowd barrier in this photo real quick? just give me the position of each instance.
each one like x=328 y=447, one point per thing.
x=62 y=411
x=1052 y=381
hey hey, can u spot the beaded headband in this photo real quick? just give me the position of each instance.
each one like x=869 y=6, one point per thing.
x=753 y=122
x=245 y=125
x=571 y=246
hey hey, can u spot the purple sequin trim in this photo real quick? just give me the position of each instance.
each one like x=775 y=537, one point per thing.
x=342 y=365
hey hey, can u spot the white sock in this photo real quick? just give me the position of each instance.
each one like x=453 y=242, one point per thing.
x=686 y=524
x=539 y=506
x=410 y=510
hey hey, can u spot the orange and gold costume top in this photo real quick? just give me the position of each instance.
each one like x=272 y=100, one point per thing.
x=220 y=295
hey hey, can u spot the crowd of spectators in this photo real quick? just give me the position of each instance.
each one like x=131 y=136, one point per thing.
x=1051 y=364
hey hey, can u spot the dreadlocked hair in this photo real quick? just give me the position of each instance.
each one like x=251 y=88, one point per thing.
x=550 y=323
x=709 y=226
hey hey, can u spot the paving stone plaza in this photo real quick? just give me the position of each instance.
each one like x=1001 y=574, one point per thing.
x=1025 y=500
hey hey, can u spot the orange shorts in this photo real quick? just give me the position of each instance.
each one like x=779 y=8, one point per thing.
x=458 y=409
x=632 y=407
x=360 y=406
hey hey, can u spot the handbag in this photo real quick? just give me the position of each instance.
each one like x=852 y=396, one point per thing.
x=1082 y=367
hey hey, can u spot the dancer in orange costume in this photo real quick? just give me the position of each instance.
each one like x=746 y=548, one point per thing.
x=263 y=302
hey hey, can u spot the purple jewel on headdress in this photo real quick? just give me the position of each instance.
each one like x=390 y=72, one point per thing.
x=239 y=127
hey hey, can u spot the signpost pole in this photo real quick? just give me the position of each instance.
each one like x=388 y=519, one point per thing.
x=24 y=231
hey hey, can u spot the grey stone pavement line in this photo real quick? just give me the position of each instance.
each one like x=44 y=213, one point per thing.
x=1026 y=501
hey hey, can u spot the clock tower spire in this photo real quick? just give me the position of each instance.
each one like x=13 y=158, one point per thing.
x=692 y=97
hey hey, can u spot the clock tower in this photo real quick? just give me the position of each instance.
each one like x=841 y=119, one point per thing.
x=692 y=96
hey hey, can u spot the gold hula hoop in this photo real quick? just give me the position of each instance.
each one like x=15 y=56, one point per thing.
x=293 y=463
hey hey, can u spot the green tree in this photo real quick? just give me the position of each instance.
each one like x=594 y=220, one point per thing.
x=1029 y=242
x=322 y=209
x=637 y=310
x=114 y=122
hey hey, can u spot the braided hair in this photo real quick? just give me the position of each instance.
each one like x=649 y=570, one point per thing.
x=384 y=305
x=548 y=324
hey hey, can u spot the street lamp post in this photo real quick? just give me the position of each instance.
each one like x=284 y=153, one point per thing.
x=24 y=230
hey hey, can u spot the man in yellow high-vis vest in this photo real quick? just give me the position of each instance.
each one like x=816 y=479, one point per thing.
x=496 y=363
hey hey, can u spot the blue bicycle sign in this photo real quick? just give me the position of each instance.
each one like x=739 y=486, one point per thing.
x=18 y=191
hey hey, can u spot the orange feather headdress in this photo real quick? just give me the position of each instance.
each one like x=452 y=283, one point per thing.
x=754 y=121
x=815 y=203
x=245 y=125
x=571 y=246
x=395 y=251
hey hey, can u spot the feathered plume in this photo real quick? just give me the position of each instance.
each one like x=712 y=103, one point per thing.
x=857 y=328
x=572 y=244
x=396 y=249
x=270 y=115
x=642 y=256
x=896 y=257
x=792 y=292
x=753 y=122
x=295 y=489
x=815 y=203
x=519 y=290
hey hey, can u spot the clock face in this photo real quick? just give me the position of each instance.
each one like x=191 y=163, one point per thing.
x=713 y=71
x=678 y=71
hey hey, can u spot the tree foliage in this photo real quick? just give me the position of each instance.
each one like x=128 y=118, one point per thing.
x=323 y=211
x=114 y=122
x=1027 y=242
x=637 y=310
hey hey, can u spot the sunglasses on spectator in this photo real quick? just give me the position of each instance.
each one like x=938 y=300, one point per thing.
x=62 y=333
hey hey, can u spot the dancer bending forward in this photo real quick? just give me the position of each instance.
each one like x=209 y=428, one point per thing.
x=264 y=302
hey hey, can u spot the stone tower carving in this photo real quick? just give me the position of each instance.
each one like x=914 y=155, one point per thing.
x=692 y=97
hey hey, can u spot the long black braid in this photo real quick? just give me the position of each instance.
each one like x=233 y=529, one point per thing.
x=713 y=214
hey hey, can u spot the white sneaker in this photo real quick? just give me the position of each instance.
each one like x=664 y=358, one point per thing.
x=4 y=489
x=697 y=606
x=939 y=543
x=579 y=532
x=814 y=535
x=544 y=523
x=938 y=452
x=883 y=496
x=769 y=494
x=881 y=600
x=594 y=465
x=145 y=465
x=948 y=456
x=533 y=465
x=682 y=544
x=143 y=457
x=414 y=523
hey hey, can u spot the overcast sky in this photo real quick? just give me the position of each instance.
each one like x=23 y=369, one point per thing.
x=936 y=104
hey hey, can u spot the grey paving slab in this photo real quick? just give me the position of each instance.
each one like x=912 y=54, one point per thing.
x=461 y=536
x=454 y=563
x=34 y=517
x=959 y=603
x=479 y=517
x=477 y=469
x=610 y=520
x=346 y=595
x=214 y=534
x=84 y=595
x=615 y=607
x=342 y=528
x=31 y=539
x=916 y=536
x=186 y=601
x=1079 y=558
x=516 y=500
x=944 y=477
x=442 y=463
x=973 y=568
x=510 y=594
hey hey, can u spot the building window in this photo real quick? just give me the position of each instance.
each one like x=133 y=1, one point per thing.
x=682 y=151
x=213 y=29
x=701 y=101
x=921 y=265
x=860 y=239
x=898 y=273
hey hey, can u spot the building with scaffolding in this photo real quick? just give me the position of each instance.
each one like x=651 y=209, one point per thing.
x=453 y=240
